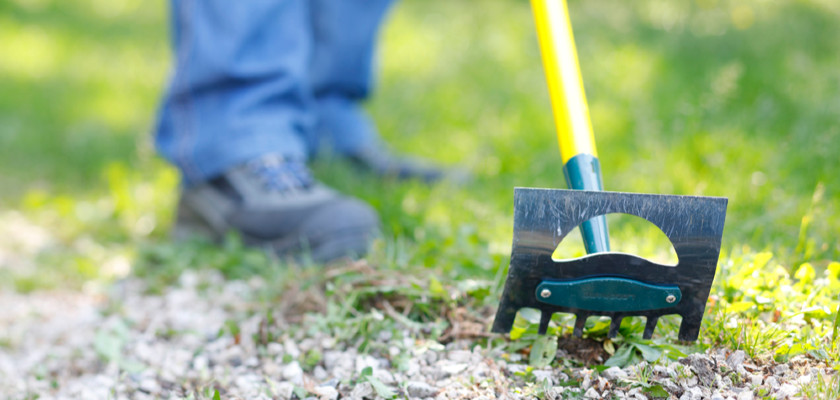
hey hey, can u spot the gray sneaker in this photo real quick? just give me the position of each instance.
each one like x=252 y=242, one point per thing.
x=276 y=204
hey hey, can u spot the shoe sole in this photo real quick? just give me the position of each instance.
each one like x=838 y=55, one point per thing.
x=350 y=241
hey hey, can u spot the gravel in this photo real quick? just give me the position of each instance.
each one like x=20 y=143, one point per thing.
x=206 y=334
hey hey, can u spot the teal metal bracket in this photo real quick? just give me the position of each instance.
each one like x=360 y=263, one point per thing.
x=608 y=294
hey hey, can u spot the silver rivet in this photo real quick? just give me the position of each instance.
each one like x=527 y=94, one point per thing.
x=671 y=298
x=545 y=293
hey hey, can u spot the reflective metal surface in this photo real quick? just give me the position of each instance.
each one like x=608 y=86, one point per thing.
x=543 y=217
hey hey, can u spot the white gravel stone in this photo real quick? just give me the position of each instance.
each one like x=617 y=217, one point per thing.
x=586 y=383
x=449 y=368
x=362 y=391
x=293 y=373
x=544 y=376
x=555 y=392
x=746 y=395
x=366 y=361
x=320 y=374
x=325 y=392
x=459 y=356
x=291 y=348
x=384 y=376
x=591 y=393
x=420 y=389
x=772 y=382
x=804 y=380
x=670 y=386
x=786 y=390
x=275 y=349
x=694 y=393
x=735 y=361
x=413 y=368
x=614 y=373
x=394 y=351
x=147 y=385
x=284 y=390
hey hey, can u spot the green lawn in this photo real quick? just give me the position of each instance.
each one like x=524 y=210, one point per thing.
x=721 y=98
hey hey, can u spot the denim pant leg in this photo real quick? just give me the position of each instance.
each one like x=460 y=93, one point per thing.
x=345 y=33
x=240 y=87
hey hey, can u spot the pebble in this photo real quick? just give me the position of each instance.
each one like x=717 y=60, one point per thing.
x=735 y=361
x=274 y=349
x=544 y=376
x=703 y=367
x=772 y=382
x=149 y=385
x=586 y=382
x=320 y=374
x=420 y=389
x=694 y=393
x=451 y=368
x=614 y=373
x=384 y=376
x=786 y=390
x=366 y=361
x=325 y=392
x=362 y=390
x=283 y=390
x=290 y=348
x=293 y=373
x=459 y=356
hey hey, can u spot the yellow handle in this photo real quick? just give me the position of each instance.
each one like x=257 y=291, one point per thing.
x=565 y=85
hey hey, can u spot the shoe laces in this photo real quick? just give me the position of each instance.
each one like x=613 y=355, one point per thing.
x=279 y=174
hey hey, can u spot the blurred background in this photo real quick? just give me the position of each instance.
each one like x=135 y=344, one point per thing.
x=723 y=98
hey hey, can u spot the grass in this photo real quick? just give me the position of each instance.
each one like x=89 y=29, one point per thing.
x=721 y=98
x=822 y=387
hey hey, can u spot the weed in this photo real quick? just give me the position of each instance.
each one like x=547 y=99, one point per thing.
x=644 y=372
x=835 y=340
x=381 y=389
x=682 y=372
x=543 y=351
x=822 y=386
x=311 y=359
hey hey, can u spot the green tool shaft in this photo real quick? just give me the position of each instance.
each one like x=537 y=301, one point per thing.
x=583 y=172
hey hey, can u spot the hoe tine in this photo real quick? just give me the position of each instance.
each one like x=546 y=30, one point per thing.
x=580 y=321
x=615 y=323
x=545 y=318
x=650 y=325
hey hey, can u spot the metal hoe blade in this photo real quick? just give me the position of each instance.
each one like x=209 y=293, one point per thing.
x=615 y=285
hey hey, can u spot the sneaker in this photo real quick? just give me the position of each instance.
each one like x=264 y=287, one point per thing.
x=275 y=203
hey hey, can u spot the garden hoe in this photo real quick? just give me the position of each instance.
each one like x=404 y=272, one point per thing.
x=602 y=283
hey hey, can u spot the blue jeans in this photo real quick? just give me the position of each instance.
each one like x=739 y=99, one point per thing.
x=256 y=77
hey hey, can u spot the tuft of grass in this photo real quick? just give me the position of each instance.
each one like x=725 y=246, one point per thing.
x=822 y=386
